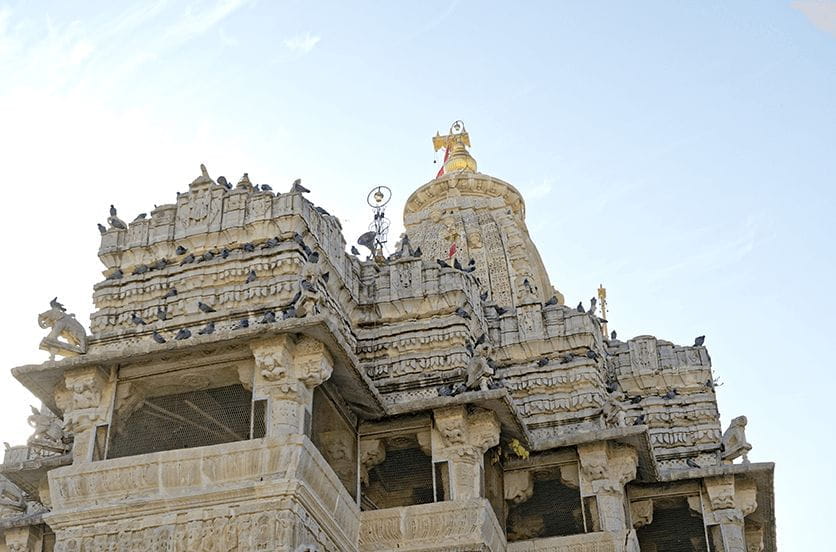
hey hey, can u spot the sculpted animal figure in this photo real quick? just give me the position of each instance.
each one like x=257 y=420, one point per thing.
x=63 y=325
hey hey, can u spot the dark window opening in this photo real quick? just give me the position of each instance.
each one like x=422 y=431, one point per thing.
x=675 y=527
x=335 y=439
x=442 y=481
x=184 y=420
x=553 y=510
x=405 y=476
x=494 y=487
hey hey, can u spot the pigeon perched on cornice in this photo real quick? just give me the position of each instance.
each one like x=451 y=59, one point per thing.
x=136 y=319
x=354 y=250
x=297 y=187
x=698 y=342
x=183 y=333
x=580 y=308
x=639 y=420
x=162 y=313
x=188 y=259
x=251 y=277
x=116 y=274
x=552 y=301
x=268 y=318
x=241 y=324
x=208 y=329
x=141 y=216
x=180 y=250
x=204 y=307
x=102 y=228
x=170 y=293
x=463 y=313
x=157 y=337
x=692 y=463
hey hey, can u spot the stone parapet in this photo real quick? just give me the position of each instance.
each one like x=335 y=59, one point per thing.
x=457 y=525
x=618 y=541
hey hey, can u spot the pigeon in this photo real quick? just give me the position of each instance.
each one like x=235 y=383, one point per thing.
x=691 y=463
x=248 y=247
x=483 y=296
x=445 y=391
x=208 y=329
x=471 y=262
x=463 y=313
x=170 y=293
x=180 y=250
x=159 y=265
x=289 y=312
x=183 y=333
x=698 y=342
x=635 y=400
x=496 y=384
x=268 y=318
x=417 y=252
x=272 y=242
x=442 y=263
x=580 y=308
x=481 y=339
x=470 y=269
x=322 y=211
x=613 y=335
x=56 y=305
x=116 y=223
x=527 y=285
x=307 y=286
x=141 y=269
x=551 y=301
x=140 y=216
x=567 y=358
x=224 y=253
x=266 y=188
x=460 y=388
x=457 y=265
x=469 y=348
x=611 y=387
x=593 y=303
x=188 y=259
x=297 y=187
x=222 y=181
x=112 y=210
x=136 y=319
x=543 y=361
x=250 y=277
x=592 y=354
x=670 y=394
x=325 y=277
x=639 y=420
x=116 y=274
x=313 y=257
x=500 y=311
x=162 y=314
x=204 y=307
x=208 y=256
x=102 y=228
x=354 y=250
x=157 y=337
x=241 y=324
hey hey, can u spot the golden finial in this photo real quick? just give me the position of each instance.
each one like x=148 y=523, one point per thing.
x=602 y=299
x=455 y=144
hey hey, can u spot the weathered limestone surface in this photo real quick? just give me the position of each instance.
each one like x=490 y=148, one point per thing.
x=456 y=350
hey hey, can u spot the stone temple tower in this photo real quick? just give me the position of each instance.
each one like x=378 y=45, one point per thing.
x=247 y=385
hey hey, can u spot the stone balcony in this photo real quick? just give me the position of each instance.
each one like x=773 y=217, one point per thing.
x=589 y=542
x=460 y=525
x=272 y=493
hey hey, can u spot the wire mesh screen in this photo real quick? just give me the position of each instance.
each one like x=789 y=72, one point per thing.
x=553 y=510
x=675 y=528
x=335 y=439
x=404 y=478
x=183 y=420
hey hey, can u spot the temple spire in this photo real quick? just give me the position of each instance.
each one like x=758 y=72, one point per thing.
x=455 y=144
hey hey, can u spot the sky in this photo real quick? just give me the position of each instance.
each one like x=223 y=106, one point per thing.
x=681 y=153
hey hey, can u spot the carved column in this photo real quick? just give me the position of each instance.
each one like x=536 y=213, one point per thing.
x=605 y=469
x=729 y=502
x=462 y=440
x=372 y=453
x=86 y=398
x=286 y=373
x=24 y=539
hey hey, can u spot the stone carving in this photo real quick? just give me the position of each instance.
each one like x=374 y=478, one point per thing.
x=49 y=436
x=519 y=486
x=614 y=415
x=372 y=453
x=641 y=511
x=63 y=325
x=479 y=372
x=734 y=442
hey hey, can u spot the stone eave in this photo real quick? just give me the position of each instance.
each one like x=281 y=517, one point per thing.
x=23 y=520
x=763 y=473
x=357 y=389
x=635 y=436
x=27 y=475
x=496 y=400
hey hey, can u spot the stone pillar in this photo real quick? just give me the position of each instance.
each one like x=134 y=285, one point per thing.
x=286 y=373
x=462 y=440
x=605 y=469
x=86 y=399
x=729 y=502
x=24 y=539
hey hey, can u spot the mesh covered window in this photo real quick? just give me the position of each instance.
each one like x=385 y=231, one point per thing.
x=494 y=485
x=182 y=420
x=335 y=438
x=405 y=476
x=553 y=510
x=675 y=527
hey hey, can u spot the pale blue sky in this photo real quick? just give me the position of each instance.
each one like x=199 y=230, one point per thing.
x=682 y=153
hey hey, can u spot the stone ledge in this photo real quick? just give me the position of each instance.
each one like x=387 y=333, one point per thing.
x=589 y=542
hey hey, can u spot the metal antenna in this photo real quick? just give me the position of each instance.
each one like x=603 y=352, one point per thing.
x=375 y=239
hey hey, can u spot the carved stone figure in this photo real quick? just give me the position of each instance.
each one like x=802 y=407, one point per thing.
x=734 y=442
x=479 y=371
x=49 y=436
x=63 y=325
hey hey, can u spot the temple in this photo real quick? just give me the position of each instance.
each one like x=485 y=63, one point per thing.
x=246 y=384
